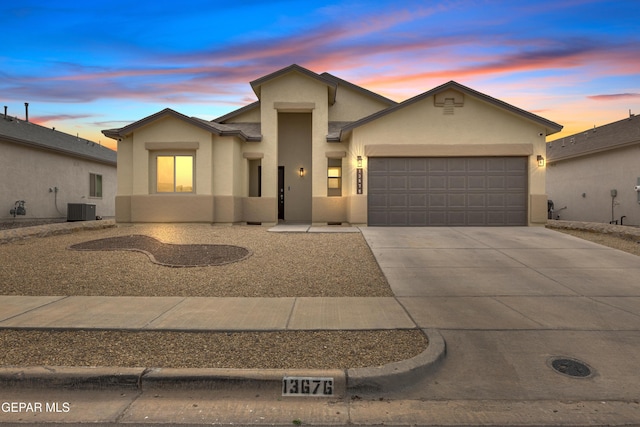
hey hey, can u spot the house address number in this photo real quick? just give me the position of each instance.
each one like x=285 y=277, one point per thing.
x=307 y=386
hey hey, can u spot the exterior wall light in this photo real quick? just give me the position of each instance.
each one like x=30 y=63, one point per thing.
x=301 y=171
x=540 y=161
x=359 y=161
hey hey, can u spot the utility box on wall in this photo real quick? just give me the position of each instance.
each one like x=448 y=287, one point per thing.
x=81 y=212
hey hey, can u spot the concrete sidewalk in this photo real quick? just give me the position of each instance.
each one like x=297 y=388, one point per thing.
x=202 y=314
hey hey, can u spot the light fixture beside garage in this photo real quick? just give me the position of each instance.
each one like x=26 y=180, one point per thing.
x=540 y=161
x=301 y=172
x=359 y=161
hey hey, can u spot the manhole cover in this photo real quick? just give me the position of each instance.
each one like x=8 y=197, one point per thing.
x=571 y=367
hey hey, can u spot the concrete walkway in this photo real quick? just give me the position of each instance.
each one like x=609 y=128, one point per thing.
x=202 y=314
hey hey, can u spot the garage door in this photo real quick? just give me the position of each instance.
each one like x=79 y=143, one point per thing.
x=457 y=191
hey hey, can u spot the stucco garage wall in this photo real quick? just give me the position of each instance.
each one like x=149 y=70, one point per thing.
x=474 y=129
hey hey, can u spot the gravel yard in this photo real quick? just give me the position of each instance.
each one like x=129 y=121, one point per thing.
x=280 y=265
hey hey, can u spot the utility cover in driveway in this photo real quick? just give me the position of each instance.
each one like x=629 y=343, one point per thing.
x=452 y=191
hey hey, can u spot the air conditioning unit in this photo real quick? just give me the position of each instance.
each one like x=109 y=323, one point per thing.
x=81 y=212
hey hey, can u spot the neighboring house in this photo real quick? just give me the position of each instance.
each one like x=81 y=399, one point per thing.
x=49 y=169
x=317 y=149
x=592 y=175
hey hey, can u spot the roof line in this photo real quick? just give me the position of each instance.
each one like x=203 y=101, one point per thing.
x=57 y=150
x=203 y=124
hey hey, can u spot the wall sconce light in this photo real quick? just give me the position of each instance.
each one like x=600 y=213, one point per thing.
x=359 y=161
x=301 y=171
x=540 y=161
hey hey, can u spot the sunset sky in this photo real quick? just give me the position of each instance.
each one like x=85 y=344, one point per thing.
x=88 y=66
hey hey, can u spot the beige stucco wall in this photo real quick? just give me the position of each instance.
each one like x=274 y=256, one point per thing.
x=352 y=105
x=475 y=124
x=292 y=92
x=218 y=171
x=28 y=173
x=595 y=176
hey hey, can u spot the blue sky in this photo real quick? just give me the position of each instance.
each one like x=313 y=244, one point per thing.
x=88 y=66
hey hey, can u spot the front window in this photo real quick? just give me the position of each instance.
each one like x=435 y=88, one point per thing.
x=334 y=177
x=174 y=174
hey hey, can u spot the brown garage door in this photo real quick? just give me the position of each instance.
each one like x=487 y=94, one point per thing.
x=453 y=191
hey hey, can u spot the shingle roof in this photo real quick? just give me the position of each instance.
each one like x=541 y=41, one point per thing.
x=28 y=133
x=614 y=135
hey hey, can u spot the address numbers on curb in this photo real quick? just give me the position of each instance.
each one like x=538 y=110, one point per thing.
x=307 y=386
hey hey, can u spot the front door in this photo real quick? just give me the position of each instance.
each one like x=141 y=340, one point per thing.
x=281 y=192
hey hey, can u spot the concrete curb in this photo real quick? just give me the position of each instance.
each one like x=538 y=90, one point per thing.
x=21 y=233
x=269 y=381
x=398 y=374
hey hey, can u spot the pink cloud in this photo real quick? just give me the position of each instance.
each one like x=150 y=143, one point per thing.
x=614 y=96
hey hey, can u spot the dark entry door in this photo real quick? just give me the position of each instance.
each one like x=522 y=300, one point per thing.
x=281 y=192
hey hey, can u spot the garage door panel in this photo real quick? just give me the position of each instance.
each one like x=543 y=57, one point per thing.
x=378 y=201
x=472 y=191
x=496 y=201
x=418 y=201
x=418 y=183
x=438 y=201
x=476 y=218
x=476 y=183
x=437 y=165
x=457 y=165
x=516 y=183
x=477 y=201
x=378 y=183
x=397 y=165
x=398 y=201
x=437 y=182
x=418 y=165
x=457 y=183
x=456 y=201
x=498 y=183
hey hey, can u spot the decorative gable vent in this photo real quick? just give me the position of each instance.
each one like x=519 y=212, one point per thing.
x=448 y=107
x=448 y=100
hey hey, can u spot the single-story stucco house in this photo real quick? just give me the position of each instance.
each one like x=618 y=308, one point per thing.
x=317 y=149
x=48 y=169
x=594 y=175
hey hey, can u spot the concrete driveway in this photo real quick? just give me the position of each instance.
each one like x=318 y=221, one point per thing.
x=508 y=301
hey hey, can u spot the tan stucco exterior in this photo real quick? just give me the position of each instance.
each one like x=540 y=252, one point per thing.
x=303 y=120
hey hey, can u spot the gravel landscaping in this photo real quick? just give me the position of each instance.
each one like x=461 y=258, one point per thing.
x=280 y=265
x=247 y=350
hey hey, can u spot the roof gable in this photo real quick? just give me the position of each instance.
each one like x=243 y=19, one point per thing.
x=294 y=68
x=213 y=127
x=31 y=134
x=453 y=87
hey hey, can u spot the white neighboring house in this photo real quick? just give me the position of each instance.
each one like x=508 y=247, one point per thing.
x=49 y=169
x=592 y=175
